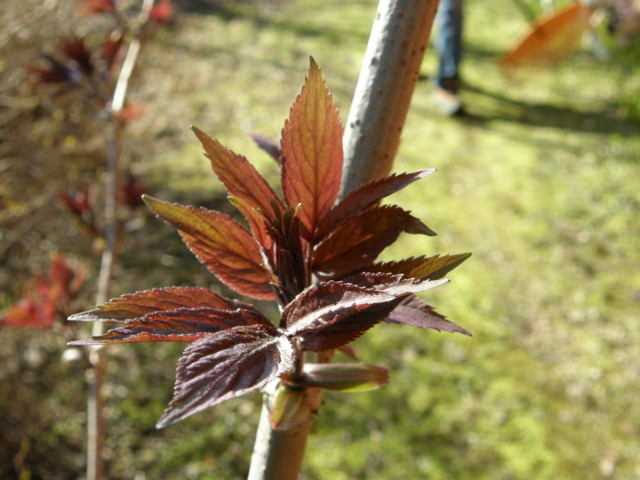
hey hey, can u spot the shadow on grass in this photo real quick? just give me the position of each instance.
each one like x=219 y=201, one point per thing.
x=335 y=33
x=605 y=122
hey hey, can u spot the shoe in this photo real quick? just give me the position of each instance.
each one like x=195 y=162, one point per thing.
x=447 y=102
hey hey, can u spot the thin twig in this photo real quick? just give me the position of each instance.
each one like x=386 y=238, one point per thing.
x=95 y=417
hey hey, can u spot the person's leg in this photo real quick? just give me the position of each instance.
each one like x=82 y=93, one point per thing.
x=448 y=42
x=448 y=45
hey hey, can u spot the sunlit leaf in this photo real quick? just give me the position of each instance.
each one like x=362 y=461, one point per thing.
x=181 y=325
x=397 y=285
x=257 y=221
x=239 y=177
x=138 y=304
x=359 y=241
x=226 y=365
x=413 y=311
x=331 y=314
x=223 y=245
x=431 y=268
x=365 y=196
x=312 y=151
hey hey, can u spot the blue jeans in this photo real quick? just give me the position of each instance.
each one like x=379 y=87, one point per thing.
x=448 y=42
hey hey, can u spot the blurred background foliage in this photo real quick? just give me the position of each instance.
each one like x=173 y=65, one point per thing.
x=539 y=182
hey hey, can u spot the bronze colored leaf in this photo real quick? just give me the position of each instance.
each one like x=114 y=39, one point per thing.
x=431 y=268
x=224 y=246
x=312 y=151
x=239 y=177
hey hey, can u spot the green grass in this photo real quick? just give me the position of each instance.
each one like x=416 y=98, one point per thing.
x=540 y=183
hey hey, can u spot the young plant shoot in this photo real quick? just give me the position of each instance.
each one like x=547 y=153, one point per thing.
x=309 y=251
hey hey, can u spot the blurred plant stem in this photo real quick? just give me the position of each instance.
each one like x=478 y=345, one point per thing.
x=391 y=66
x=116 y=126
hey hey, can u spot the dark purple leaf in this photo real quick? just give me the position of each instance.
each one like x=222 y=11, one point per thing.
x=226 y=365
x=270 y=146
x=329 y=315
x=55 y=72
x=359 y=241
x=181 y=325
x=365 y=196
x=138 y=304
x=76 y=51
x=413 y=311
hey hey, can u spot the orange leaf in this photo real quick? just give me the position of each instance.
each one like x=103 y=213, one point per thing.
x=239 y=177
x=312 y=151
x=224 y=246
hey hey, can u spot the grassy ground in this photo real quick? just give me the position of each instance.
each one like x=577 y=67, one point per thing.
x=539 y=182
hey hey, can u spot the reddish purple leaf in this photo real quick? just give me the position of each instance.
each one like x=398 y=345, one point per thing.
x=239 y=177
x=181 y=325
x=270 y=146
x=359 y=241
x=365 y=196
x=138 y=304
x=413 y=311
x=312 y=151
x=431 y=268
x=331 y=314
x=226 y=248
x=226 y=365
x=397 y=285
